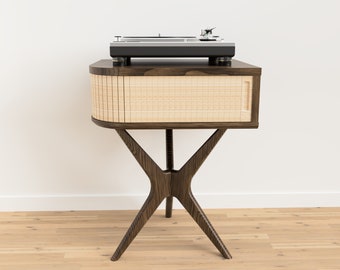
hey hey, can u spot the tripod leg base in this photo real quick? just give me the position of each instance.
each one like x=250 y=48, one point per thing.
x=168 y=184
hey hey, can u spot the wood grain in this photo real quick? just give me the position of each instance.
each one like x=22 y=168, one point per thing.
x=260 y=239
x=176 y=125
x=176 y=67
x=170 y=183
x=169 y=156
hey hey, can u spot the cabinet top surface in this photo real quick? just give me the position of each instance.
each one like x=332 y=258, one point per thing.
x=172 y=67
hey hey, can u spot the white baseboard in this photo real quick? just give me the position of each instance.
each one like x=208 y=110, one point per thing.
x=130 y=201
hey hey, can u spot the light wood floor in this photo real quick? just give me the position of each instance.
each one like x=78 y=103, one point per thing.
x=258 y=239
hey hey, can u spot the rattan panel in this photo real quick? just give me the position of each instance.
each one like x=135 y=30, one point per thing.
x=137 y=99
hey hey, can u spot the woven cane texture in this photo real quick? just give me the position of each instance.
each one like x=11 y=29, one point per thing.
x=137 y=99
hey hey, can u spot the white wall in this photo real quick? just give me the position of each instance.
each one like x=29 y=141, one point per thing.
x=53 y=157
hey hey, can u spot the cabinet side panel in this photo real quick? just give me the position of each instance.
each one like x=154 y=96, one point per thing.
x=256 y=99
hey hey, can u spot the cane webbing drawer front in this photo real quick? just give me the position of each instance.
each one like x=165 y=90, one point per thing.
x=159 y=94
x=136 y=99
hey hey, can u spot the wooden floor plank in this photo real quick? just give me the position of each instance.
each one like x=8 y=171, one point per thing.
x=292 y=238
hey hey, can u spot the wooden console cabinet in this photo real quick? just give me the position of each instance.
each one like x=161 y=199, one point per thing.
x=172 y=95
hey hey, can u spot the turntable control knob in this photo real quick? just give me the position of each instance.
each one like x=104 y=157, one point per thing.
x=118 y=38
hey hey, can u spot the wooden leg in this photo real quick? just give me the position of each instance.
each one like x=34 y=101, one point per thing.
x=194 y=163
x=181 y=188
x=169 y=183
x=142 y=217
x=169 y=166
x=160 y=189
x=168 y=208
x=191 y=205
x=145 y=161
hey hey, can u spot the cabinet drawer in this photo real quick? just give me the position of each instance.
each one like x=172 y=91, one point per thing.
x=172 y=99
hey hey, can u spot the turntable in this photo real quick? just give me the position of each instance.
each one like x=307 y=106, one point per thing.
x=123 y=48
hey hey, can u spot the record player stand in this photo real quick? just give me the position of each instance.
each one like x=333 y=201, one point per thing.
x=170 y=183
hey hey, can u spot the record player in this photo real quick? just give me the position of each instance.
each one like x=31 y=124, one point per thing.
x=218 y=51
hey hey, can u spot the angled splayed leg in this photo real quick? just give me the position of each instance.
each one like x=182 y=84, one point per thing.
x=142 y=217
x=145 y=161
x=191 y=205
x=181 y=188
x=160 y=189
x=189 y=169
